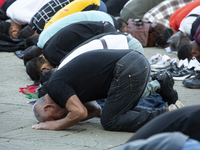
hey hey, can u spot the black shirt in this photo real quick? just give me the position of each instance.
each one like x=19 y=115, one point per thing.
x=68 y=38
x=89 y=76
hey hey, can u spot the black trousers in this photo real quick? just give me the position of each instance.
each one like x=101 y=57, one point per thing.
x=185 y=120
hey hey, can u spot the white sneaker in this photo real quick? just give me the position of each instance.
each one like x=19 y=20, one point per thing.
x=183 y=62
x=172 y=107
x=175 y=106
x=155 y=58
x=163 y=63
x=194 y=63
x=178 y=104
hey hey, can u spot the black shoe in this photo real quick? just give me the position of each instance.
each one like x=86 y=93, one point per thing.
x=166 y=81
x=183 y=73
x=156 y=74
x=194 y=82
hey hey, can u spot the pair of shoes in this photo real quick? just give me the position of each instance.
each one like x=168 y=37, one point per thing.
x=183 y=73
x=193 y=82
x=162 y=63
x=168 y=93
x=175 y=106
x=154 y=59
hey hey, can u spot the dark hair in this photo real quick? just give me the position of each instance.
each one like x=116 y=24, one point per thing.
x=121 y=24
x=163 y=36
x=45 y=76
x=32 y=40
x=34 y=52
x=177 y=40
x=3 y=15
x=4 y=27
x=26 y=32
x=41 y=92
x=33 y=68
x=184 y=51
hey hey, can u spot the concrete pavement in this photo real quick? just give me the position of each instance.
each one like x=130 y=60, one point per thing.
x=17 y=117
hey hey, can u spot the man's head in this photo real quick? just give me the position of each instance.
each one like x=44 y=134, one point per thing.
x=163 y=36
x=121 y=25
x=185 y=51
x=14 y=30
x=45 y=109
x=33 y=53
x=196 y=50
x=36 y=66
x=177 y=40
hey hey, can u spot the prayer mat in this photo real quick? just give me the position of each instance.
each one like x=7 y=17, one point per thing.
x=29 y=91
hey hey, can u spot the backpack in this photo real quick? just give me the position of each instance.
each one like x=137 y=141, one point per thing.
x=143 y=30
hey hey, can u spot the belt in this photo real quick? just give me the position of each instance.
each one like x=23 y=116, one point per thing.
x=104 y=43
x=128 y=38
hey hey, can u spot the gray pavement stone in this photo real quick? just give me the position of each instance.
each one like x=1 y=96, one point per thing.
x=17 y=117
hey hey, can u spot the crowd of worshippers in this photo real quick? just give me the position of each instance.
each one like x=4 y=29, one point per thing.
x=80 y=54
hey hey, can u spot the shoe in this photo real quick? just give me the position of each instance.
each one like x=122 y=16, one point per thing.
x=163 y=63
x=175 y=106
x=184 y=62
x=172 y=107
x=172 y=67
x=156 y=74
x=178 y=104
x=182 y=73
x=168 y=93
x=194 y=82
x=156 y=58
x=193 y=63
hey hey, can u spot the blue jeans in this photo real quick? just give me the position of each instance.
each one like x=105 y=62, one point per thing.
x=191 y=144
x=154 y=100
x=131 y=75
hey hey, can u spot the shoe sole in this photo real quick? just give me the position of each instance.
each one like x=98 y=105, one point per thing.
x=192 y=86
x=158 y=69
x=181 y=78
x=170 y=76
x=155 y=70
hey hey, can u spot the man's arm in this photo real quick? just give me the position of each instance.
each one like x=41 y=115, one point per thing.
x=93 y=108
x=76 y=113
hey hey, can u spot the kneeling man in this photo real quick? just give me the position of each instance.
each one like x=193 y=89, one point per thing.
x=120 y=76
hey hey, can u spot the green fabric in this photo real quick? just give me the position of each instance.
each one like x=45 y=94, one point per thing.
x=137 y=8
x=152 y=86
x=31 y=95
x=136 y=45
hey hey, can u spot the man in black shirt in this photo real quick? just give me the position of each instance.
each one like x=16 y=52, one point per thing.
x=120 y=76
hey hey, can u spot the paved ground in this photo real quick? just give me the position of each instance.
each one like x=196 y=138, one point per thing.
x=17 y=117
